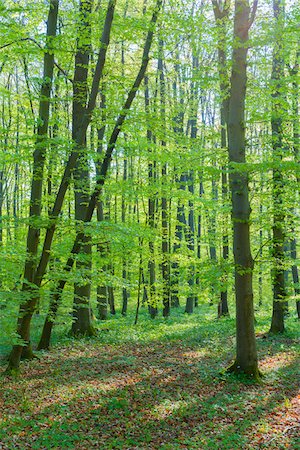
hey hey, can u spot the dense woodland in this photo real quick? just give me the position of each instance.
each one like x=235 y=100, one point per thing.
x=149 y=171
x=130 y=170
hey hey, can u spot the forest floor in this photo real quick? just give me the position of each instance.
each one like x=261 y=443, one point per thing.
x=156 y=385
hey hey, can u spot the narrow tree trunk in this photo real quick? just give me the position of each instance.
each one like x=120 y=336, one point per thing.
x=102 y=247
x=151 y=210
x=279 y=292
x=31 y=293
x=222 y=17
x=82 y=321
x=165 y=265
x=179 y=229
x=190 y=236
x=294 y=72
x=124 y=264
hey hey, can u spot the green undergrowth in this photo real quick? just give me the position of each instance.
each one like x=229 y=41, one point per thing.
x=156 y=385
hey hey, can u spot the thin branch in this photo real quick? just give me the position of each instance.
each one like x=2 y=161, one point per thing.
x=41 y=48
x=261 y=247
x=253 y=12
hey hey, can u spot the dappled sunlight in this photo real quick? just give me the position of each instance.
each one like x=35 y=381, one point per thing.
x=142 y=395
x=277 y=361
x=168 y=407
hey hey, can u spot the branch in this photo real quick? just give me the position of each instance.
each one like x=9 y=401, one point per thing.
x=219 y=12
x=40 y=47
x=253 y=12
x=111 y=146
x=261 y=247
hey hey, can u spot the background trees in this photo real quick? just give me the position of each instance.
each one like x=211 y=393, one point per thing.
x=163 y=211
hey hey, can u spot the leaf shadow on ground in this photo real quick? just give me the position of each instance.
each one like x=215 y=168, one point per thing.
x=166 y=395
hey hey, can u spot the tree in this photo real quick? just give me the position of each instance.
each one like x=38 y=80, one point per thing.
x=27 y=309
x=81 y=310
x=221 y=16
x=30 y=291
x=246 y=353
x=57 y=293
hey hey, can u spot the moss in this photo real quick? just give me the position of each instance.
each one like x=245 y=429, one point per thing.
x=251 y=373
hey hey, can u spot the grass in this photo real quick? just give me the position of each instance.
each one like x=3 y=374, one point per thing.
x=156 y=385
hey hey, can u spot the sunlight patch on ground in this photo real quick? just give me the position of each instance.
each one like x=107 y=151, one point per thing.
x=168 y=407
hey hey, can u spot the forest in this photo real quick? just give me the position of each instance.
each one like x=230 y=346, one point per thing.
x=149 y=224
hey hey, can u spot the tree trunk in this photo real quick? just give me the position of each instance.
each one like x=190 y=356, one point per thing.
x=246 y=353
x=151 y=211
x=82 y=324
x=279 y=292
x=165 y=265
x=31 y=292
x=65 y=182
x=222 y=17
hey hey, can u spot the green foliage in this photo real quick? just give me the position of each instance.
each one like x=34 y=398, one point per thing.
x=160 y=382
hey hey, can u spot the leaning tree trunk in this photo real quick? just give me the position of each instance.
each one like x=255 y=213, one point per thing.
x=31 y=292
x=107 y=157
x=64 y=184
x=279 y=292
x=246 y=353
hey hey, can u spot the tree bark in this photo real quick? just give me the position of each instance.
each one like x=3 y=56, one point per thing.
x=279 y=291
x=246 y=353
x=165 y=264
x=152 y=306
x=222 y=17
x=108 y=155
x=28 y=307
x=30 y=291
x=82 y=322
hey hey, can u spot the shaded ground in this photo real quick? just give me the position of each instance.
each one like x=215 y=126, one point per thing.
x=155 y=386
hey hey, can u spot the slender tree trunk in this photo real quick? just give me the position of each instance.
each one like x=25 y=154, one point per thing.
x=190 y=235
x=124 y=263
x=151 y=210
x=179 y=230
x=165 y=265
x=31 y=293
x=82 y=321
x=295 y=275
x=180 y=226
x=246 y=353
x=110 y=148
x=102 y=247
x=294 y=72
x=222 y=17
x=65 y=182
x=279 y=291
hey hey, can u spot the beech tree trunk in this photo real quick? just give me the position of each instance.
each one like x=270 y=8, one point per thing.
x=246 y=353
x=82 y=323
x=279 y=291
x=221 y=17
x=110 y=148
x=31 y=292
x=64 y=184
x=151 y=210
x=165 y=264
